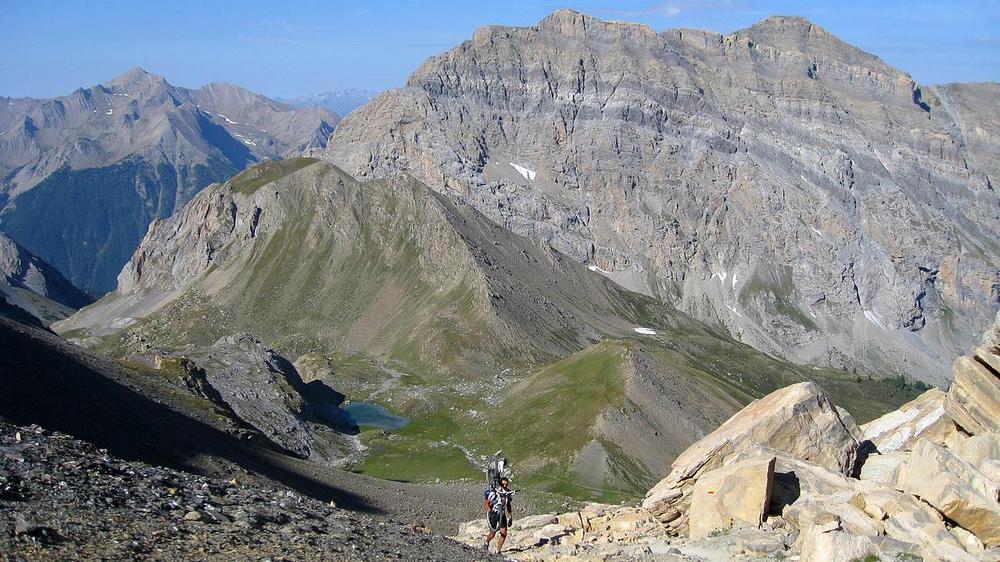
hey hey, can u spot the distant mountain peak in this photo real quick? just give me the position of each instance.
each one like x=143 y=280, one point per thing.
x=136 y=78
x=572 y=23
x=340 y=102
x=786 y=22
x=795 y=33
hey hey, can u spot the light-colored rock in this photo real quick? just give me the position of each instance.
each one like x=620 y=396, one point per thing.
x=829 y=543
x=535 y=521
x=879 y=502
x=552 y=532
x=978 y=448
x=761 y=545
x=624 y=519
x=807 y=512
x=799 y=421
x=737 y=492
x=956 y=488
x=988 y=354
x=795 y=479
x=883 y=469
x=981 y=451
x=912 y=520
x=923 y=416
x=974 y=397
x=969 y=541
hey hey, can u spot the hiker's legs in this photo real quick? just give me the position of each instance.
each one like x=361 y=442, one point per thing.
x=489 y=537
x=503 y=537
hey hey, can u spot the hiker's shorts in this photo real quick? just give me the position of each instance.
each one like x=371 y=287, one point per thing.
x=497 y=521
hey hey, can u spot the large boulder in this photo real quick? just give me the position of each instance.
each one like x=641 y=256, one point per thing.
x=956 y=488
x=844 y=509
x=739 y=492
x=899 y=429
x=974 y=397
x=911 y=520
x=829 y=542
x=883 y=469
x=799 y=421
x=913 y=527
x=983 y=452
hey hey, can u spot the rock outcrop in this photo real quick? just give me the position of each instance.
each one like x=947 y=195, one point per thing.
x=735 y=494
x=974 y=398
x=956 y=488
x=900 y=428
x=30 y=284
x=981 y=451
x=831 y=543
x=263 y=389
x=799 y=421
x=808 y=196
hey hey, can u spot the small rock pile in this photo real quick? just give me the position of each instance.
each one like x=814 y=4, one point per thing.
x=61 y=498
x=792 y=475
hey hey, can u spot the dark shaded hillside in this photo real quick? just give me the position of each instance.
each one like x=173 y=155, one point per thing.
x=135 y=415
x=87 y=223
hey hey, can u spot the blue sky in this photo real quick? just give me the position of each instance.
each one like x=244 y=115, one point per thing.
x=49 y=48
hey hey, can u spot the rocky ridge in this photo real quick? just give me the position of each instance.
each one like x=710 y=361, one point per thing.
x=818 y=203
x=83 y=175
x=791 y=475
x=34 y=286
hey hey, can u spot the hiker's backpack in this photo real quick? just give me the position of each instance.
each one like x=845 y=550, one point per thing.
x=496 y=468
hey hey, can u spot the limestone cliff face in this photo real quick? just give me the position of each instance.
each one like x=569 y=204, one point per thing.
x=815 y=201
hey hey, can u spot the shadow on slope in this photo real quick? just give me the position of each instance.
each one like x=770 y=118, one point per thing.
x=49 y=382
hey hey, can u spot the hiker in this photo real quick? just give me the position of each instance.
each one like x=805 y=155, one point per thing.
x=498 y=511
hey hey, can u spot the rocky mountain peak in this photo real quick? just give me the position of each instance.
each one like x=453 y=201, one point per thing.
x=231 y=94
x=571 y=23
x=579 y=119
x=788 y=23
x=136 y=79
x=795 y=34
x=140 y=142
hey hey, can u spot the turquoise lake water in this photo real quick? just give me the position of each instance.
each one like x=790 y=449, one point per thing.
x=373 y=415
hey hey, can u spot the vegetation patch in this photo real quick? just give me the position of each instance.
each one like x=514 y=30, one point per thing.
x=252 y=179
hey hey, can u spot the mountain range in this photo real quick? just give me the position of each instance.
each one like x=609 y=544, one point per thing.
x=340 y=102
x=84 y=175
x=775 y=182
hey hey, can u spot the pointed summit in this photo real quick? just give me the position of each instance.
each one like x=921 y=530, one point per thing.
x=136 y=78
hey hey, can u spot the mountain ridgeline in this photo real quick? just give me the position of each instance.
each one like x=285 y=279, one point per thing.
x=83 y=175
x=775 y=182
